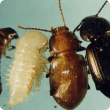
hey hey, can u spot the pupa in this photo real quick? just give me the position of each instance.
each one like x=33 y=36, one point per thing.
x=28 y=64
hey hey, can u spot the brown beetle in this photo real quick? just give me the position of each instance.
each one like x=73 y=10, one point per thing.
x=6 y=35
x=68 y=72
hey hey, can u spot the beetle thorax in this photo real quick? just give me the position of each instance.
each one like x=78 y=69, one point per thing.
x=62 y=41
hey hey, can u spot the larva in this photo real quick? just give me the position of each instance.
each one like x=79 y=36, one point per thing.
x=6 y=35
x=28 y=64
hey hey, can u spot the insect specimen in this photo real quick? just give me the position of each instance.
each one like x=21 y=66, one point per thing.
x=68 y=73
x=97 y=30
x=28 y=64
x=6 y=35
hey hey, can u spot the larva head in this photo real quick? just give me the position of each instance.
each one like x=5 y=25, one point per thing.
x=33 y=39
x=62 y=40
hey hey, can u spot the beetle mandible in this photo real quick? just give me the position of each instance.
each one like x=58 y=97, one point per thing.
x=97 y=30
x=6 y=35
x=68 y=83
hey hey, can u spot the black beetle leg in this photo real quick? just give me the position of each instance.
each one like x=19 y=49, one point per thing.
x=85 y=57
x=50 y=58
x=77 y=28
x=10 y=47
x=47 y=75
x=81 y=48
x=47 y=47
x=78 y=40
x=4 y=54
x=88 y=87
x=97 y=87
x=88 y=72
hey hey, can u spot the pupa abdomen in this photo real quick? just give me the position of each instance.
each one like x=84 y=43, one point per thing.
x=29 y=63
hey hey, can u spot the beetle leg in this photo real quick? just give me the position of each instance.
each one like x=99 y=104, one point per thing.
x=47 y=75
x=86 y=63
x=7 y=57
x=78 y=41
x=85 y=57
x=88 y=87
x=97 y=87
x=50 y=58
x=4 y=54
x=77 y=28
x=81 y=49
x=88 y=72
x=47 y=47
x=10 y=47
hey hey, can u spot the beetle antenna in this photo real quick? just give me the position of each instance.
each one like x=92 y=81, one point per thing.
x=35 y=29
x=102 y=7
x=77 y=27
x=62 y=13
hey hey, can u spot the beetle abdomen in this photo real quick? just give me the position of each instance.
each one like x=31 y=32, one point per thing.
x=29 y=64
x=99 y=65
x=94 y=66
x=68 y=80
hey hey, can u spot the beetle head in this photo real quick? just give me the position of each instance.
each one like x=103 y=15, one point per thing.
x=93 y=27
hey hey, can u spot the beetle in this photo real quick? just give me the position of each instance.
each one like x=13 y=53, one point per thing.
x=97 y=30
x=68 y=83
x=6 y=35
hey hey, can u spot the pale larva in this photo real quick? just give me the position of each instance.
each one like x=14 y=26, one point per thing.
x=29 y=63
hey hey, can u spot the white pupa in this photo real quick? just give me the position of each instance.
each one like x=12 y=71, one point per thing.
x=28 y=64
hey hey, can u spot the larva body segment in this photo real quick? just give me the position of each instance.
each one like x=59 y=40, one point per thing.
x=29 y=63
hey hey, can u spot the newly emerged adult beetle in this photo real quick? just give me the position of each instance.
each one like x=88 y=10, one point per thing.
x=68 y=72
x=6 y=35
x=97 y=30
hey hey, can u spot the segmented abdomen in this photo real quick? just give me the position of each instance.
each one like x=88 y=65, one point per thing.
x=21 y=81
x=27 y=66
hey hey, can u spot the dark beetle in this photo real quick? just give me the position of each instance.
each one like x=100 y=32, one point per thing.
x=68 y=72
x=6 y=35
x=97 y=30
